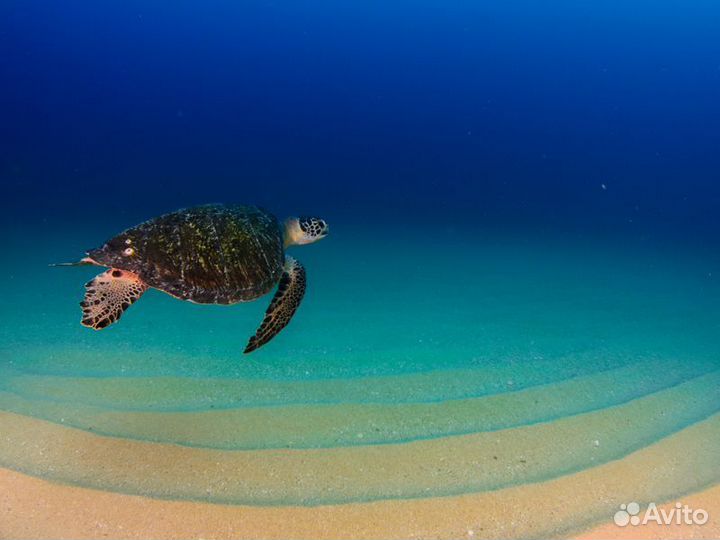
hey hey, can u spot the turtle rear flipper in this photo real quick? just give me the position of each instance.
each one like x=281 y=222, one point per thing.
x=290 y=292
x=108 y=295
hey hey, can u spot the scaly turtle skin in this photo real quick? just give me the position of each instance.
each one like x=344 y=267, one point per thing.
x=214 y=254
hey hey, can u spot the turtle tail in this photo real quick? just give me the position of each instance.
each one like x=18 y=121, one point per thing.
x=82 y=262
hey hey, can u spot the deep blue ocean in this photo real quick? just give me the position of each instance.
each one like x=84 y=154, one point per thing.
x=492 y=113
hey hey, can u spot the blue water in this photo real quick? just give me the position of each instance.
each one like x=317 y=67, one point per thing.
x=505 y=113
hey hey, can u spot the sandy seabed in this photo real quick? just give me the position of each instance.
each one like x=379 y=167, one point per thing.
x=572 y=505
x=35 y=508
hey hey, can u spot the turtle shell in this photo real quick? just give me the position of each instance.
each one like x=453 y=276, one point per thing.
x=214 y=254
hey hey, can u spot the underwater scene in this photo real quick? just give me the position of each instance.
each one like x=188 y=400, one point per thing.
x=360 y=270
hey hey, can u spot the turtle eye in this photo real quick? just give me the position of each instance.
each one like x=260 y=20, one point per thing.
x=128 y=251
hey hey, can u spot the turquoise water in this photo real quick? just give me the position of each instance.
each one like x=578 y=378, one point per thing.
x=383 y=303
x=484 y=311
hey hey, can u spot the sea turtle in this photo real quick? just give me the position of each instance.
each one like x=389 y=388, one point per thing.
x=212 y=254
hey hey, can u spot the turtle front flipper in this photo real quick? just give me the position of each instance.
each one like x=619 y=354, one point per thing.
x=108 y=295
x=290 y=292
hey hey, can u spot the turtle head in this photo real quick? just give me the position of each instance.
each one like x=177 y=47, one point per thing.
x=118 y=252
x=305 y=230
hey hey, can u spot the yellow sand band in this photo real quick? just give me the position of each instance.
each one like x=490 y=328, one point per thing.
x=661 y=472
x=312 y=426
x=446 y=466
